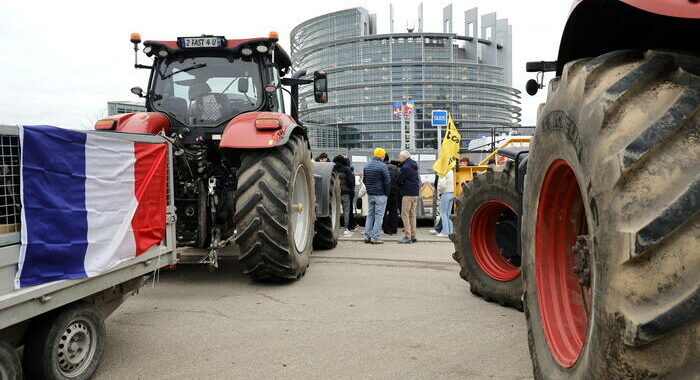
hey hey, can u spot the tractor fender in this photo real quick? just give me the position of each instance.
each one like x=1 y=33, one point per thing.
x=594 y=28
x=242 y=133
x=151 y=123
x=673 y=8
x=323 y=173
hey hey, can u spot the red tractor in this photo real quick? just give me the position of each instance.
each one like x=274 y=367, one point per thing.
x=606 y=201
x=243 y=171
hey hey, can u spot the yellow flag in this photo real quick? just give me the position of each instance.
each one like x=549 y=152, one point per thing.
x=449 y=151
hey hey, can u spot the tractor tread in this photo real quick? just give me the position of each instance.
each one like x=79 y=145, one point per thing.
x=326 y=236
x=490 y=185
x=268 y=252
x=627 y=120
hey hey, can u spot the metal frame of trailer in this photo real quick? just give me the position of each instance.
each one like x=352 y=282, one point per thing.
x=106 y=291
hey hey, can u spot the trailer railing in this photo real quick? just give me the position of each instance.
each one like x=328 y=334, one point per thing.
x=17 y=305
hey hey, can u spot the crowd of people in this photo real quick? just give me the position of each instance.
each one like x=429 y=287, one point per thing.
x=392 y=188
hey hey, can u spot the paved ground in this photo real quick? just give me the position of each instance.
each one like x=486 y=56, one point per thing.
x=362 y=312
x=423 y=235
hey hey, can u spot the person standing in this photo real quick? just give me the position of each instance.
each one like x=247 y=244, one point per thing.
x=323 y=157
x=353 y=197
x=391 y=217
x=347 y=189
x=409 y=184
x=378 y=183
x=446 y=187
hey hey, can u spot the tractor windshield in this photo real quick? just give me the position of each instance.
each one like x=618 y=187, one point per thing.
x=206 y=91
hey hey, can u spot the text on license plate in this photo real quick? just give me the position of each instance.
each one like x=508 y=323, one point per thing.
x=200 y=42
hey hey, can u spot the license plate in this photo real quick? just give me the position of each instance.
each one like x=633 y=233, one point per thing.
x=200 y=42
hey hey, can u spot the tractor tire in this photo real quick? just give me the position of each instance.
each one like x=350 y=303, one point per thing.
x=611 y=224
x=328 y=227
x=486 y=236
x=10 y=365
x=275 y=211
x=65 y=344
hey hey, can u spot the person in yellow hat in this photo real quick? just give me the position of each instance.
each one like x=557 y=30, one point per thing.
x=378 y=184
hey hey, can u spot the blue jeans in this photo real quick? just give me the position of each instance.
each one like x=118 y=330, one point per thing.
x=446 y=200
x=375 y=216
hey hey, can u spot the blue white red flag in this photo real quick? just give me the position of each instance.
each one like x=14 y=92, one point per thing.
x=89 y=202
x=396 y=108
x=408 y=108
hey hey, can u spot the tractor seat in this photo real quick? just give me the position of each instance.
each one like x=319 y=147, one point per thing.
x=207 y=107
x=177 y=107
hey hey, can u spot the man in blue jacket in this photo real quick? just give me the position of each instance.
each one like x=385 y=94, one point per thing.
x=409 y=183
x=378 y=184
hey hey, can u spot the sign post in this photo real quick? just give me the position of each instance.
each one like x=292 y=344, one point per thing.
x=439 y=120
x=411 y=121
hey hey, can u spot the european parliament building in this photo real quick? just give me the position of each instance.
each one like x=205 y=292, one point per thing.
x=467 y=72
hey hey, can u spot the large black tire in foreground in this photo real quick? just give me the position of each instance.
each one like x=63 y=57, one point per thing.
x=275 y=211
x=10 y=365
x=328 y=227
x=611 y=224
x=486 y=234
x=67 y=343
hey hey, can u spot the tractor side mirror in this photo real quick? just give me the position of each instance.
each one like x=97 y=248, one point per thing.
x=243 y=85
x=320 y=87
x=137 y=91
x=532 y=87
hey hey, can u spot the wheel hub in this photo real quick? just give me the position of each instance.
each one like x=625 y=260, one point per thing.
x=582 y=267
x=299 y=220
x=75 y=348
x=563 y=264
x=485 y=235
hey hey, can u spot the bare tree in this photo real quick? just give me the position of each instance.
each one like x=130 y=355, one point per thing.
x=88 y=121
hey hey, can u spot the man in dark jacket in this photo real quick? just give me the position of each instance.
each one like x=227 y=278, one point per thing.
x=391 y=217
x=409 y=184
x=378 y=184
x=347 y=189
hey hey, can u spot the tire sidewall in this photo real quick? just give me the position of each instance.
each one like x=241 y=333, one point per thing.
x=56 y=326
x=553 y=142
x=301 y=161
x=9 y=361
x=335 y=199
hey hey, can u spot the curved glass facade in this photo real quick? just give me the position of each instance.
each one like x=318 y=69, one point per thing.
x=367 y=73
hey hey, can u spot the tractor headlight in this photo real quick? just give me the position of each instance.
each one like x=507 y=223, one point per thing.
x=246 y=51
x=162 y=53
x=262 y=49
x=147 y=50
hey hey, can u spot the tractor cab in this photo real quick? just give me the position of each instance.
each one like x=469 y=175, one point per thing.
x=242 y=166
x=202 y=83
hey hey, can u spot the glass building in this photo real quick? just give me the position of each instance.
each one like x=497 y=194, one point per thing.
x=125 y=106
x=467 y=73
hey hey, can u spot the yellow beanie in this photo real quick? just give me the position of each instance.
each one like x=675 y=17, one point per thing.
x=379 y=152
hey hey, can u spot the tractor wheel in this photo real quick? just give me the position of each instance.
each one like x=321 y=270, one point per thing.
x=10 y=365
x=275 y=211
x=611 y=224
x=65 y=344
x=328 y=227
x=486 y=236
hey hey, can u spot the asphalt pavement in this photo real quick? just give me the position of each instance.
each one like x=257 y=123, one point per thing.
x=361 y=312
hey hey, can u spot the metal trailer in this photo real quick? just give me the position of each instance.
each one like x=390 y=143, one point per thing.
x=39 y=318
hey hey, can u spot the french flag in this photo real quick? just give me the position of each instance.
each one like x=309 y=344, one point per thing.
x=89 y=202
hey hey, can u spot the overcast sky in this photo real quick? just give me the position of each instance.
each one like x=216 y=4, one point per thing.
x=61 y=61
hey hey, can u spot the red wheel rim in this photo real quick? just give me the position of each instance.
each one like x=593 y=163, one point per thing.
x=483 y=241
x=562 y=301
